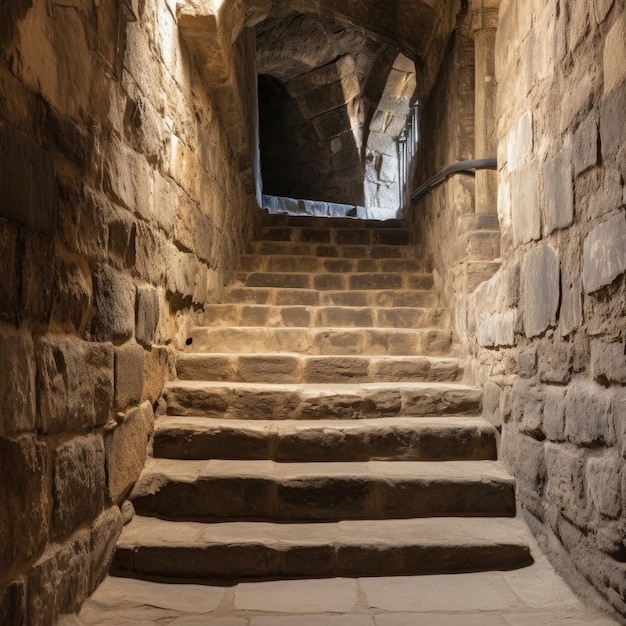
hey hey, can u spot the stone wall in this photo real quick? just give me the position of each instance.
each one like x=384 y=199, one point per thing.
x=124 y=205
x=548 y=331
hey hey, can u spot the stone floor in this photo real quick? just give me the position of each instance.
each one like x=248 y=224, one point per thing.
x=533 y=596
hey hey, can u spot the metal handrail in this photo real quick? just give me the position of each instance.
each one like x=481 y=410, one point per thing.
x=462 y=166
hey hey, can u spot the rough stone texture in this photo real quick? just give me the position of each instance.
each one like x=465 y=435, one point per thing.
x=22 y=538
x=129 y=376
x=525 y=204
x=74 y=383
x=147 y=309
x=104 y=533
x=115 y=300
x=604 y=253
x=155 y=373
x=78 y=483
x=608 y=361
x=126 y=450
x=17 y=384
x=604 y=486
x=558 y=191
x=541 y=293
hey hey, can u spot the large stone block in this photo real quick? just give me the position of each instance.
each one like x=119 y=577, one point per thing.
x=78 y=483
x=74 y=384
x=541 y=289
x=27 y=185
x=520 y=142
x=571 y=304
x=612 y=127
x=604 y=485
x=604 y=253
x=147 y=315
x=128 y=376
x=554 y=413
x=527 y=409
x=492 y=394
x=585 y=150
x=10 y=277
x=37 y=279
x=126 y=450
x=104 y=533
x=555 y=363
x=527 y=362
x=558 y=192
x=525 y=204
x=13 y=604
x=17 y=384
x=24 y=496
x=72 y=295
x=615 y=54
x=59 y=581
x=608 y=362
x=497 y=330
x=155 y=373
x=589 y=415
x=114 y=296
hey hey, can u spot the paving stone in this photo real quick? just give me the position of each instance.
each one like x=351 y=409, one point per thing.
x=333 y=596
x=314 y=620
x=438 y=619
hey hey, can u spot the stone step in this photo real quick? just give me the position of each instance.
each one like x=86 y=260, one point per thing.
x=329 y=281
x=377 y=251
x=296 y=368
x=385 y=438
x=309 y=221
x=337 y=236
x=234 y=551
x=337 y=401
x=315 y=264
x=325 y=491
x=328 y=316
x=330 y=341
x=314 y=297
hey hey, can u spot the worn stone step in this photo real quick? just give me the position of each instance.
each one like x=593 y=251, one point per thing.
x=336 y=281
x=338 y=236
x=338 y=317
x=297 y=368
x=390 y=438
x=311 y=263
x=314 y=297
x=331 y=341
x=309 y=221
x=265 y=490
x=151 y=547
x=338 y=401
x=376 y=251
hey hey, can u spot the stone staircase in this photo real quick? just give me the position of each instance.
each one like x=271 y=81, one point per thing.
x=317 y=426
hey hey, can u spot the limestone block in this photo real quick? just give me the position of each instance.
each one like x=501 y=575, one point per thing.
x=17 y=384
x=78 y=483
x=324 y=75
x=181 y=275
x=585 y=150
x=114 y=296
x=527 y=409
x=525 y=204
x=504 y=204
x=589 y=415
x=13 y=603
x=185 y=169
x=59 y=581
x=23 y=487
x=608 y=362
x=604 y=485
x=147 y=312
x=10 y=277
x=164 y=202
x=571 y=305
x=497 y=329
x=612 y=127
x=27 y=185
x=74 y=384
x=555 y=363
x=104 y=533
x=527 y=362
x=602 y=8
x=615 y=54
x=72 y=295
x=491 y=404
x=37 y=279
x=126 y=450
x=554 y=413
x=541 y=293
x=565 y=488
x=128 y=375
x=150 y=245
x=520 y=142
x=604 y=253
x=155 y=373
x=558 y=192
x=70 y=138
x=333 y=123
